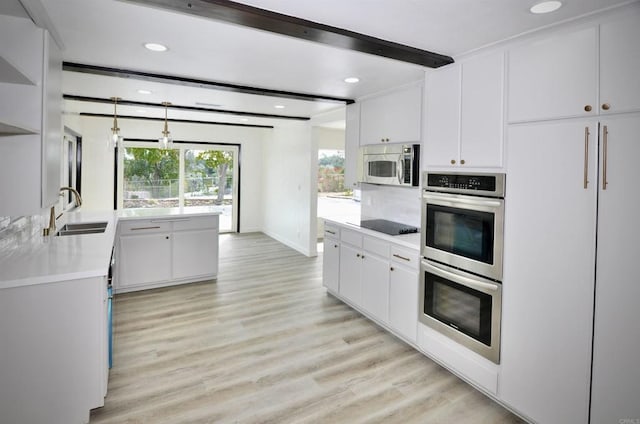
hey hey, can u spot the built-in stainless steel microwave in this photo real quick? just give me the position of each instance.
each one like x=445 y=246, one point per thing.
x=390 y=164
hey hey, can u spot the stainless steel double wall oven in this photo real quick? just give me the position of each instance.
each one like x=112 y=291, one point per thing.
x=461 y=269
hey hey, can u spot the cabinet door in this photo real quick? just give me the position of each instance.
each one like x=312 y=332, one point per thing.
x=352 y=145
x=403 y=301
x=394 y=117
x=620 y=64
x=442 y=122
x=554 y=78
x=144 y=258
x=616 y=359
x=549 y=250
x=331 y=264
x=375 y=286
x=350 y=274
x=195 y=253
x=481 y=119
x=52 y=122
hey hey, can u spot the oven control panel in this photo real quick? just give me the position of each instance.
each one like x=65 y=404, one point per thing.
x=486 y=184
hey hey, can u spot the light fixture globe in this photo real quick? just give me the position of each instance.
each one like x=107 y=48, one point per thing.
x=166 y=142
x=115 y=140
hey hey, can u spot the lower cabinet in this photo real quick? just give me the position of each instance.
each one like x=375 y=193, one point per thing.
x=53 y=351
x=331 y=259
x=375 y=276
x=165 y=251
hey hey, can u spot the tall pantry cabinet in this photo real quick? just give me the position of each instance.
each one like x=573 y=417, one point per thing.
x=570 y=338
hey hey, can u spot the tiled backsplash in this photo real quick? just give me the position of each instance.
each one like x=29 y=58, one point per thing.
x=16 y=230
x=400 y=204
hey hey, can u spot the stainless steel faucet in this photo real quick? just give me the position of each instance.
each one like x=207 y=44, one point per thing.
x=52 y=213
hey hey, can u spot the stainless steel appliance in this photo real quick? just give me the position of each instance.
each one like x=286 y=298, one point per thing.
x=462 y=306
x=390 y=164
x=463 y=219
x=461 y=270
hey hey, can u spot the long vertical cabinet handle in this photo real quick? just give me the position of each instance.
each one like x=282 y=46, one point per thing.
x=586 y=156
x=605 y=142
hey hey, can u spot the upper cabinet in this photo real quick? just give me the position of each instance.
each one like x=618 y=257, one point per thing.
x=30 y=117
x=620 y=85
x=566 y=75
x=464 y=114
x=392 y=118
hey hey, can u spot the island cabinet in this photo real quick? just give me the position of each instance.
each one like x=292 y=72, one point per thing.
x=464 y=114
x=30 y=116
x=165 y=251
x=375 y=276
x=580 y=73
x=394 y=117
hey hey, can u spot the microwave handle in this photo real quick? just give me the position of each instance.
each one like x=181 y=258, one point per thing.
x=400 y=171
x=472 y=283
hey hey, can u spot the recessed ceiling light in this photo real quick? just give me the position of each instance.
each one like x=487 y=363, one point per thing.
x=155 y=47
x=141 y=111
x=244 y=119
x=546 y=7
x=144 y=91
x=279 y=106
x=351 y=80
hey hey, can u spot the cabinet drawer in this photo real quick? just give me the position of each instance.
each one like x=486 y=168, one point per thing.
x=193 y=223
x=376 y=246
x=331 y=231
x=406 y=257
x=143 y=226
x=351 y=237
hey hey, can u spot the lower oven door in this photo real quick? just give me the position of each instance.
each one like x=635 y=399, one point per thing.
x=462 y=306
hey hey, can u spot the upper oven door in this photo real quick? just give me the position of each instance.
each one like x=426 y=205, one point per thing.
x=386 y=168
x=464 y=231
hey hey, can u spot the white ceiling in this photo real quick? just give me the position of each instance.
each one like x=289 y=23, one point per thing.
x=111 y=33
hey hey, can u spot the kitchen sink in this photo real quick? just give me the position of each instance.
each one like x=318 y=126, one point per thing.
x=82 y=228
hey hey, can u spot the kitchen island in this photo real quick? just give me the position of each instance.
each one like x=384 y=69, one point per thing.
x=53 y=304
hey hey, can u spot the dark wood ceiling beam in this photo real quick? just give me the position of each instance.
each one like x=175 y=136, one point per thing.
x=186 y=121
x=249 y=16
x=124 y=102
x=198 y=83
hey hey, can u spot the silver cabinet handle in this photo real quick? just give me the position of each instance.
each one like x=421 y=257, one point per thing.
x=605 y=146
x=145 y=228
x=401 y=257
x=586 y=156
x=330 y=232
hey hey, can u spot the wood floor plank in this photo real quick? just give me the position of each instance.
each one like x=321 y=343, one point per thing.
x=265 y=343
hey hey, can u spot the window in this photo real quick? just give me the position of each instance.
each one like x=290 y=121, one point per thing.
x=333 y=198
x=187 y=176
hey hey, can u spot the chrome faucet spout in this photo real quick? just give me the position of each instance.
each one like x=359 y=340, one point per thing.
x=75 y=194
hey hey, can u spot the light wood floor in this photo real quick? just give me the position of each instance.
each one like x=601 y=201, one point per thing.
x=265 y=343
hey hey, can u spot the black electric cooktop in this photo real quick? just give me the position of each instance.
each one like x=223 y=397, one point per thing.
x=388 y=227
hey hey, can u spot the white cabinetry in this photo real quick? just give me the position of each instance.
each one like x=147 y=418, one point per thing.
x=403 y=292
x=350 y=272
x=331 y=258
x=352 y=145
x=30 y=117
x=549 y=249
x=464 y=113
x=53 y=360
x=616 y=363
x=558 y=76
x=554 y=78
x=392 y=118
x=164 y=251
x=619 y=84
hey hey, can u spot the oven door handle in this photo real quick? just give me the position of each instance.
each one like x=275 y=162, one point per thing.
x=469 y=282
x=451 y=199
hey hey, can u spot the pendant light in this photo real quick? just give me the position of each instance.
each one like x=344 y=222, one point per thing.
x=165 y=141
x=115 y=139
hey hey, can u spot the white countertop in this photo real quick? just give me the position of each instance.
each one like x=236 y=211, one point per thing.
x=41 y=260
x=412 y=241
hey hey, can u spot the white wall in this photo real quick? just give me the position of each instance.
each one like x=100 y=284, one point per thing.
x=98 y=160
x=329 y=138
x=289 y=187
